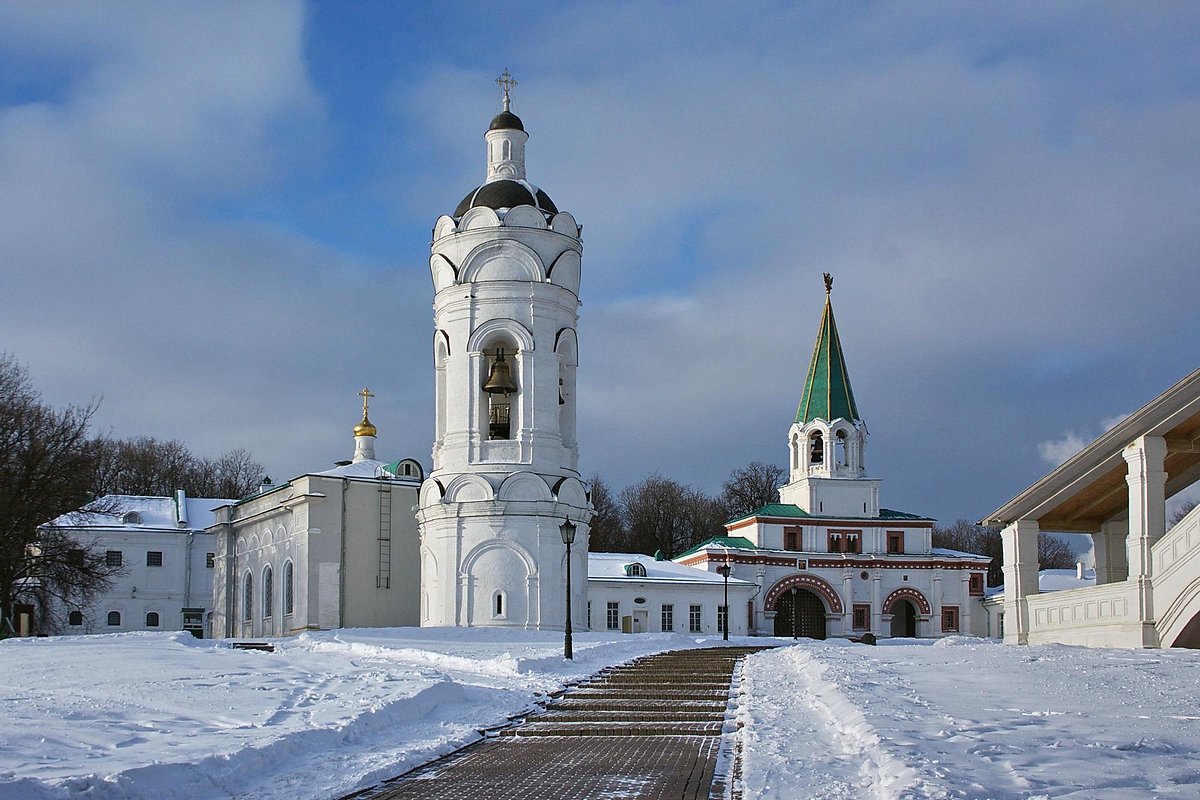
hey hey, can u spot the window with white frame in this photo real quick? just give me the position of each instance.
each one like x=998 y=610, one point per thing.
x=614 y=616
x=668 y=617
x=289 y=589
x=268 y=591
x=722 y=615
x=694 y=618
x=248 y=597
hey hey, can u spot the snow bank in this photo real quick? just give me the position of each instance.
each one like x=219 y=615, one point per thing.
x=152 y=715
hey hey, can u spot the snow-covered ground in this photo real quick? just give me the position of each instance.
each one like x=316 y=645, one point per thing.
x=150 y=715
x=970 y=718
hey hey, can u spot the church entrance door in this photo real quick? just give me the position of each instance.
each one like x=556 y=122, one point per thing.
x=799 y=612
x=904 y=619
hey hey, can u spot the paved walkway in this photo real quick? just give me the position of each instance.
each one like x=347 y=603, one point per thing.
x=650 y=729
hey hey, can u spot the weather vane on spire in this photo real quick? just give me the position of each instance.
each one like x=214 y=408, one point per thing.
x=506 y=83
x=828 y=282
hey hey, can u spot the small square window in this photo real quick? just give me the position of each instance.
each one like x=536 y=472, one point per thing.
x=862 y=616
x=210 y=560
x=975 y=586
x=950 y=619
x=895 y=542
x=154 y=558
x=791 y=538
x=112 y=558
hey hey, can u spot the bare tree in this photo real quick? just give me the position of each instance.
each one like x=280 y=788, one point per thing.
x=967 y=537
x=145 y=465
x=662 y=515
x=1180 y=513
x=607 y=532
x=46 y=466
x=750 y=487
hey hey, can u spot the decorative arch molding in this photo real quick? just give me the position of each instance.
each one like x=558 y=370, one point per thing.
x=468 y=489
x=502 y=260
x=468 y=563
x=566 y=271
x=501 y=326
x=565 y=223
x=441 y=348
x=444 y=226
x=818 y=586
x=443 y=272
x=570 y=491
x=910 y=594
x=1179 y=616
x=431 y=492
x=479 y=217
x=524 y=217
x=524 y=486
x=566 y=344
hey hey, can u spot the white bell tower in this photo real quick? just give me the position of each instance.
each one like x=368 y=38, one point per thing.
x=506 y=271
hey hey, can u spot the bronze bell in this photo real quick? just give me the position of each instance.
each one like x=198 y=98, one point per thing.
x=500 y=380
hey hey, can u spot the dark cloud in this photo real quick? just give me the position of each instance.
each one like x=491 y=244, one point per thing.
x=1006 y=195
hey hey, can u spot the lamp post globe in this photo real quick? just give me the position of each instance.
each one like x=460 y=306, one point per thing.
x=567 y=531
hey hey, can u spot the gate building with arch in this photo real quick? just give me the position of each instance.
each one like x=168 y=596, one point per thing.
x=828 y=559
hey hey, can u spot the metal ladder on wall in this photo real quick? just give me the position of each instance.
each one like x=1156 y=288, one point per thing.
x=383 y=579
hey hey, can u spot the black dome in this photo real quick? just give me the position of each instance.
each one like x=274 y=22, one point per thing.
x=506 y=194
x=506 y=120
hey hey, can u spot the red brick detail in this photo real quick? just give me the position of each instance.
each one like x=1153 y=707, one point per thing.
x=805 y=581
x=907 y=593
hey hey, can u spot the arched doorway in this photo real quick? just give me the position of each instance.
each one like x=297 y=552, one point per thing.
x=904 y=619
x=799 y=612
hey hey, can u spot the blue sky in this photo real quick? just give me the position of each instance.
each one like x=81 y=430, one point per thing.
x=217 y=218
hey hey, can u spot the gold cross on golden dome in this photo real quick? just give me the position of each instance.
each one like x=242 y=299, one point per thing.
x=365 y=428
x=506 y=82
x=365 y=394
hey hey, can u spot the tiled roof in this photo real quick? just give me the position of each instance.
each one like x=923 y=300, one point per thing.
x=827 y=393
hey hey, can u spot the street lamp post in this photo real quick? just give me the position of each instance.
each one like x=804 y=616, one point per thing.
x=724 y=570
x=567 y=530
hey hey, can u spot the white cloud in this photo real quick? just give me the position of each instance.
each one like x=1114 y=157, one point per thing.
x=1057 y=451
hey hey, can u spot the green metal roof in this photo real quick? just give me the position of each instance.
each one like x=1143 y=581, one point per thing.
x=827 y=393
x=789 y=510
x=731 y=542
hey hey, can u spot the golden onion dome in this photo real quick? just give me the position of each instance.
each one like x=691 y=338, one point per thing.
x=365 y=428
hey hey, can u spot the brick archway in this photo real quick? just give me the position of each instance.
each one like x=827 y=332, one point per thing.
x=812 y=583
x=910 y=594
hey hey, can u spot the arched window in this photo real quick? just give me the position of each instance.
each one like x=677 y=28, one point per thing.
x=75 y=618
x=114 y=618
x=247 y=597
x=268 y=591
x=132 y=518
x=289 y=589
x=498 y=605
x=635 y=570
x=500 y=387
x=840 y=445
x=151 y=619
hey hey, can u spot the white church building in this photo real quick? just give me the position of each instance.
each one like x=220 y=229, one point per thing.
x=828 y=560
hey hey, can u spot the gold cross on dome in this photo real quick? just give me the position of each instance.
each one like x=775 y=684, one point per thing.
x=506 y=83
x=365 y=394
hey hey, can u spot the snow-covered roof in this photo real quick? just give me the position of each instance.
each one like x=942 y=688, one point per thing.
x=948 y=553
x=370 y=468
x=611 y=566
x=1055 y=580
x=154 y=512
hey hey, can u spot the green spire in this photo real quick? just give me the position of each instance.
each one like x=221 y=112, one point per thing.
x=827 y=393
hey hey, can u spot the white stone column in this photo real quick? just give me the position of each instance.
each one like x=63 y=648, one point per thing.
x=877 y=605
x=848 y=602
x=1112 y=564
x=935 y=602
x=964 y=604
x=1147 y=501
x=1020 y=543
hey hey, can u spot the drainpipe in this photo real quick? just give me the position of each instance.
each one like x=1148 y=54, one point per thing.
x=342 y=566
x=187 y=573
